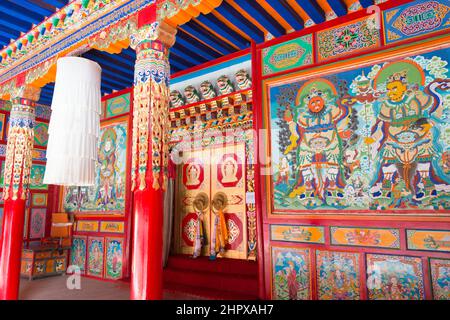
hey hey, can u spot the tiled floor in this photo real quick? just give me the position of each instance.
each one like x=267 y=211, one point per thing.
x=55 y=288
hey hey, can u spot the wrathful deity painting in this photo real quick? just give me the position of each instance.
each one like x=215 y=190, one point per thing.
x=374 y=138
x=394 y=277
x=337 y=275
x=291 y=279
x=108 y=194
x=78 y=253
x=95 y=258
x=114 y=253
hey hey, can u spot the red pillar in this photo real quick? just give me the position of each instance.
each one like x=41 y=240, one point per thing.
x=16 y=178
x=150 y=157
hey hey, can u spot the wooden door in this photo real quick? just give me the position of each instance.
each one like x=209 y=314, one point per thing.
x=193 y=177
x=217 y=169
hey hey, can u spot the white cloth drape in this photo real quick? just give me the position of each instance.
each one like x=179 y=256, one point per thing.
x=74 y=123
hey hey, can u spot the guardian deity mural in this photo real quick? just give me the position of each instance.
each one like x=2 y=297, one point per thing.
x=108 y=194
x=372 y=138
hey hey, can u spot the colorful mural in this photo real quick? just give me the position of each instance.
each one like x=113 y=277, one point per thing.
x=118 y=105
x=114 y=258
x=96 y=247
x=337 y=275
x=440 y=277
x=374 y=137
x=394 y=277
x=291 y=279
x=108 y=194
x=41 y=134
x=78 y=253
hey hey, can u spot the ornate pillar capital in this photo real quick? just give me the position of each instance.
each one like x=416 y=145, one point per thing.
x=26 y=92
x=154 y=32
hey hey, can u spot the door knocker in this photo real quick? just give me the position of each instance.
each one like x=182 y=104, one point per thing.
x=220 y=228
x=200 y=204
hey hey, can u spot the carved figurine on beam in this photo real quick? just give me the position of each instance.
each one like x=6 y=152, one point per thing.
x=226 y=87
x=176 y=99
x=243 y=82
x=208 y=93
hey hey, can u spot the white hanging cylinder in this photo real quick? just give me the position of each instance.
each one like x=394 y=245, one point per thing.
x=74 y=124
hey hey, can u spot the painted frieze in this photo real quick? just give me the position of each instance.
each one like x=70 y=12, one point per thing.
x=417 y=18
x=291 y=278
x=87 y=226
x=108 y=194
x=394 y=277
x=112 y=227
x=429 y=240
x=370 y=138
x=349 y=38
x=365 y=237
x=297 y=233
x=337 y=275
x=440 y=278
x=288 y=55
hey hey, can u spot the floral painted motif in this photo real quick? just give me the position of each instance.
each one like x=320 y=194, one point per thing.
x=338 y=275
x=394 y=277
x=37 y=223
x=291 y=279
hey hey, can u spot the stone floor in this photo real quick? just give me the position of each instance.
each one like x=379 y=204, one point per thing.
x=55 y=288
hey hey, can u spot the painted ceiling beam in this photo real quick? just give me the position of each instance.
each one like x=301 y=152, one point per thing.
x=187 y=55
x=115 y=76
x=287 y=13
x=236 y=18
x=111 y=62
x=366 y=3
x=339 y=7
x=177 y=65
x=314 y=11
x=187 y=42
x=57 y=3
x=21 y=13
x=7 y=32
x=223 y=30
x=252 y=7
x=13 y=22
x=31 y=5
x=207 y=38
x=183 y=62
x=113 y=84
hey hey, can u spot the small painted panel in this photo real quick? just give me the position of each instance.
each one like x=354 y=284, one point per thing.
x=79 y=253
x=291 y=233
x=288 y=55
x=229 y=170
x=112 y=227
x=39 y=155
x=87 y=226
x=41 y=134
x=291 y=274
x=96 y=253
x=39 y=200
x=414 y=19
x=430 y=240
x=118 y=105
x=394 y=277
x=365 y=237
x=37 y=223
x=440 y=277
x=114 y=258
x=337 y=275
x=2 y=125
x=349 y=38
x=193 y=173
x=43 y=112
x=5 y=105
x=37 y=177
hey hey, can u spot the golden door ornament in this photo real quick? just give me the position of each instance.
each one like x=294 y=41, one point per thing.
x=201 y=204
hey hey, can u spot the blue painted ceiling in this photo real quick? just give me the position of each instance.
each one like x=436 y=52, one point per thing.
x=227 y=29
